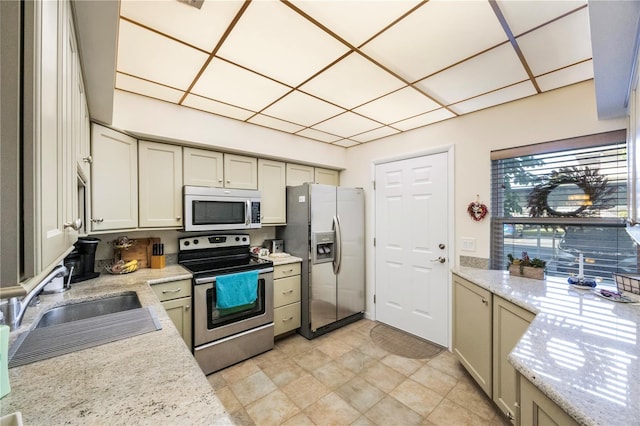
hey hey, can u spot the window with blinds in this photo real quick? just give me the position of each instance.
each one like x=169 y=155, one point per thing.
x=561 y=199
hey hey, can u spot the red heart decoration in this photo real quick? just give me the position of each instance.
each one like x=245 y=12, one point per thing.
x=477 y=211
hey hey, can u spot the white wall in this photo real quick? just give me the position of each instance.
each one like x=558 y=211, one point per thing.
x=558 y=114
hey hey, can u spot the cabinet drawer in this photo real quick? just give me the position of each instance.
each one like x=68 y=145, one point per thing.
x=172 y=290
x=286 y=318
x=286 y=291
x=282 y=271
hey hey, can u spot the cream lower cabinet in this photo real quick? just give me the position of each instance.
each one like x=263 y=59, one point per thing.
x=472 y=331
x=509 y=324
x=286 y=298
x=271 y=184
x=536 y=409
x=176 y=300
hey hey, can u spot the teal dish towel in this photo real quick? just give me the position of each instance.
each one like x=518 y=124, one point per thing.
x=236 y=289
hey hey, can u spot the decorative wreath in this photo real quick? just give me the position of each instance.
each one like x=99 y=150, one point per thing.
x=598 y=194
x=477 y=210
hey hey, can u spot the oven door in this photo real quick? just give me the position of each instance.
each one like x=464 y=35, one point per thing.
x=211 y=324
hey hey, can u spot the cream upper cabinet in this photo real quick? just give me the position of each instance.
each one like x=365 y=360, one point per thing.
x=240 y=172
x=160 y=185
x=509 y=324
x=114 y=180
x=472 y=330
x=271 y=183
x=326 y=176
x=203 y=167
x=297 y=174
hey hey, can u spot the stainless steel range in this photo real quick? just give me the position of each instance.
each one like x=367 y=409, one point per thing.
x=223 y=336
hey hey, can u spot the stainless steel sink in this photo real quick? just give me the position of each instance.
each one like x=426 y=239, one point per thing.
x=89 y=309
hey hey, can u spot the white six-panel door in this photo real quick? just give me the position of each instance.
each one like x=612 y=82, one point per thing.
x=411 y=213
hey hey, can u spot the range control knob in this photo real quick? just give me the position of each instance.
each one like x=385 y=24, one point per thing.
x=244 y=239
x=196 y=241
x=186 y=243
x=237 y=238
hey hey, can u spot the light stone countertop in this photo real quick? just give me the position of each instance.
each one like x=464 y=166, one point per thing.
x=581 y=350
x=282 y=260
x=147 y=379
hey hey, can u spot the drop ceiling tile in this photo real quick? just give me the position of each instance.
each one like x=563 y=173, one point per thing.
x=208 y=105
x=198 y=27
x=437 y=35
x=559 y=44
x=564 y=77
x=275 y=123
x=153 y=57
x=499 y=67
x=303 y=109
x=375 y=134
x=231 y=84
x=502 y=96
x=277 y=42
x=318 y=135
x=347 y=124
x=147 y=88
x=424 y=119
x=351 y=82
x=397 y=106
x=524 y=15
x=345 y=17
x=346 y=143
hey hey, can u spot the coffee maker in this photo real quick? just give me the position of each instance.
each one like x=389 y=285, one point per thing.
x=81 y=261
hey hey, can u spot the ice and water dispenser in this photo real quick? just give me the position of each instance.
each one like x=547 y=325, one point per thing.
x=322 y=247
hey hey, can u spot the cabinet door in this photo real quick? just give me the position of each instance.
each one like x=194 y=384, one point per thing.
x=271 y=183
x=240 y=172
x=472 y=309
x=536 y=409
x=326 y=176
x=203 y=167
x=179 y=310
x=160 y=184
x=114 y=180
x=298 y=174
x=509 y=324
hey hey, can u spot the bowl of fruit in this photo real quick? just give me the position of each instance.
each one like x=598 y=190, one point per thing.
x=122 y=267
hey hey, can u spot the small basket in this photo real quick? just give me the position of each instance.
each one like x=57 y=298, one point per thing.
x=630 y=283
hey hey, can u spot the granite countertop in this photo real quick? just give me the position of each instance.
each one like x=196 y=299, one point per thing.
x=281 y=260
x=147 y=379
x=581 y=350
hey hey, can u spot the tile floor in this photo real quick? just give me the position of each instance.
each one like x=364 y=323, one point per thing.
x=343 y=378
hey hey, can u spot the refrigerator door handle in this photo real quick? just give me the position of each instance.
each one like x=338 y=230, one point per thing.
x=337 y=260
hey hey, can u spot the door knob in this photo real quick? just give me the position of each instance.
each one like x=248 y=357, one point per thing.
x=439 y=259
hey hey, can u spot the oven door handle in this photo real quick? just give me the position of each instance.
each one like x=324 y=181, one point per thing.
x=208 y=280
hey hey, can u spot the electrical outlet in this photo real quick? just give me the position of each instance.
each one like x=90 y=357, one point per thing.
x=468 y=244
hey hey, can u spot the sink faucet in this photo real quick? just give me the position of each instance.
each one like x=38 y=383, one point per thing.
x=17 y=307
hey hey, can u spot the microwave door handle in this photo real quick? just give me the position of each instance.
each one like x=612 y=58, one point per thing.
x=247 y=215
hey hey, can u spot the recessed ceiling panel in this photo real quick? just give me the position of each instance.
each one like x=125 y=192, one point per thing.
x=525 y=15
x=397 y=106
x=566 y=76
x=274 y=123
x=352 y=82
x=198 y=27
x=347 y=124
x=147 y=88
x=157 y=58
x=437 y=35
x=303 y=109
x=318 y=135
x=489 y=71
x=375 y=134
x=277 y=42
x=507 y=94
x=208 y=105
x=559 y=44
x=355 y=21
x=234 y=85
x=424 y=119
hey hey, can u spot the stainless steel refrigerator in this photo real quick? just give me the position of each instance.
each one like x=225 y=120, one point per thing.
x=325 y=227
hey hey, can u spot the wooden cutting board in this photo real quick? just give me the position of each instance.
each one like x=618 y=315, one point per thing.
x=140 y=251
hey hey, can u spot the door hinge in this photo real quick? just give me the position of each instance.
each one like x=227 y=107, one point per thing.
x=374 y=298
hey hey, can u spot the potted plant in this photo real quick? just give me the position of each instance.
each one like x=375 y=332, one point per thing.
x=526 y=267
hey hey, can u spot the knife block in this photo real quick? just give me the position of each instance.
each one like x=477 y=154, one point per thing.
x=157 y=262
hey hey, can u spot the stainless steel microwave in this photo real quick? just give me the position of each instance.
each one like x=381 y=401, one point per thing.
x=220 y=209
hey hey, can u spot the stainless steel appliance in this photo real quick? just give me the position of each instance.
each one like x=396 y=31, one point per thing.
x=222 y=337
x=325 y=227
x=274 y=246
x=220 y=209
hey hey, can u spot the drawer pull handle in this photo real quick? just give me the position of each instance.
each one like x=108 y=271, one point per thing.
x=177 y=290
x=288 y=291
x=287 y=319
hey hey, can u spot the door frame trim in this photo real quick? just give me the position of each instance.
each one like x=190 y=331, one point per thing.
x=450 y=150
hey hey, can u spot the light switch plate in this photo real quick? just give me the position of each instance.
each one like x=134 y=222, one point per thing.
x=468 y=244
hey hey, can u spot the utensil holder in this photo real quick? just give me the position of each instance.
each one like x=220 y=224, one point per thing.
x=157 y=262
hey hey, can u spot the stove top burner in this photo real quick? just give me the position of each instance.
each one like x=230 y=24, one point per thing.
x=213 y=266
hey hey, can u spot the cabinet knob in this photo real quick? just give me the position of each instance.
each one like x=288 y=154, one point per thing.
x=75 y=225
x=228 y=180
x=485 y=301
x=516 y=404
x=510 y=416
x=187 y=307
x=220 y=180
x=88 y=159
x=178 y=218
